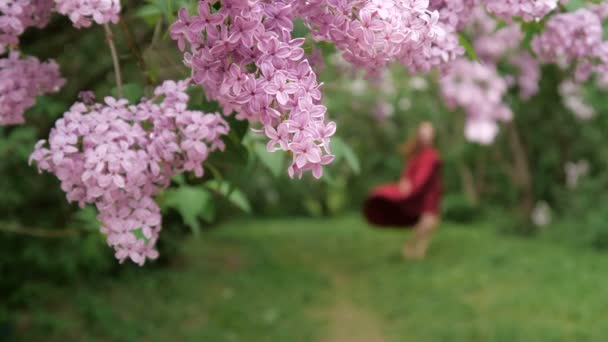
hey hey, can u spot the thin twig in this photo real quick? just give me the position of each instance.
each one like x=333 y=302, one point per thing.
x=135 y=51
x=38 y=232
x=110 y=41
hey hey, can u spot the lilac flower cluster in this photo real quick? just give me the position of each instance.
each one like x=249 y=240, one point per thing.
x=528 y=76
x=371 y=34
x=21 y=80
x=119 y=156
x=244 y=57
x=479 y=90
x=575 y=38
x=493 y=46
x=528 y=10
x=17 y=15
x=455 y=13
x=83 y=13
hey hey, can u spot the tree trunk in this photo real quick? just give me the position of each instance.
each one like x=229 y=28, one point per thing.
x=468 y=184
x=521 y=170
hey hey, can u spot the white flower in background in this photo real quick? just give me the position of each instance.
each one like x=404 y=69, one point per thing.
x=541 y=214
x=383 y=110
x=572 y=97
x=419 y=83
x=575 y=170
x=386 y=83
x=405 y=104
x=481 y=131
x=358 y=87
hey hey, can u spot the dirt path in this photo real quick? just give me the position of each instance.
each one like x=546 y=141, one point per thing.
x=349 y=322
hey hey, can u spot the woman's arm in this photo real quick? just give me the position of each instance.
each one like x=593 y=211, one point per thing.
x=404 y=186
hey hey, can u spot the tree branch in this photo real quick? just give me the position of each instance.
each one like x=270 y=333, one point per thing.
x=110 y=41
x=38 y=232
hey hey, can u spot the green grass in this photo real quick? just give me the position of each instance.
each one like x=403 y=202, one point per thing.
x=275 y=280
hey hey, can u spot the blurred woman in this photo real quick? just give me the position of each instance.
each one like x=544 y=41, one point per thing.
x=414 y=200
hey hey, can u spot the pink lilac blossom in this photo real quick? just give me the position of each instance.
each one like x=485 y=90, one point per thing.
x=371 y=34
x=528 y=10
x=244 y=57
x=118 y=156
x=18 y=15
x=21 y=81
x=315 y=58
x=574 y=38
x=601 y=9
x=481 y=22
x=528 y=74
x=494 y=46
x=455 y=13
x=83 y=13
x=383 y=110
x=479 y=90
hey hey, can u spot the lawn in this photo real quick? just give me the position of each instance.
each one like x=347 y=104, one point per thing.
x=338 y=280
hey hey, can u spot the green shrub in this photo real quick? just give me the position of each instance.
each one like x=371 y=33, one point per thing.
x=457 y=208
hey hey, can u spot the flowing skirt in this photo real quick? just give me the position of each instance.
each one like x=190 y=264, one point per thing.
x=386 y=206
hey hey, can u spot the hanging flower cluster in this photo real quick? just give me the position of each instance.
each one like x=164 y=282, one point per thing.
x=575 y=38
x=455 y=13
x=503 y=46
x=84 y=12
x=479 y=90
x=119 y=156
x=18 y=15
x=253 y=67
x=528 y=10
x=529 y=74
x=372 y=34
x=21 y=81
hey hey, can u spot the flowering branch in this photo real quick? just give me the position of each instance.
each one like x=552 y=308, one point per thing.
x=110 y=41
x=38 y=232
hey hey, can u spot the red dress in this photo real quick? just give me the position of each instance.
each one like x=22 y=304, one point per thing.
x=387 y=206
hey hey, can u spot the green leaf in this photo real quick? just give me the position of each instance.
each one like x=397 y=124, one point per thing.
x=193 y=203
x=232 y=194
x=341 y=150
x=468 y=47
x=274 y=161
x=131 y=91
x=531 y=29
x=149 y=13
x=238 y=128
x=86 y=218
x=139 y=234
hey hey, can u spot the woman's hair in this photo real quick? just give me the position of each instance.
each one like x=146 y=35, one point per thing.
x=413 y=144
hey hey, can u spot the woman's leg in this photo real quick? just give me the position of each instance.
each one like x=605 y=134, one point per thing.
x=423 y=232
